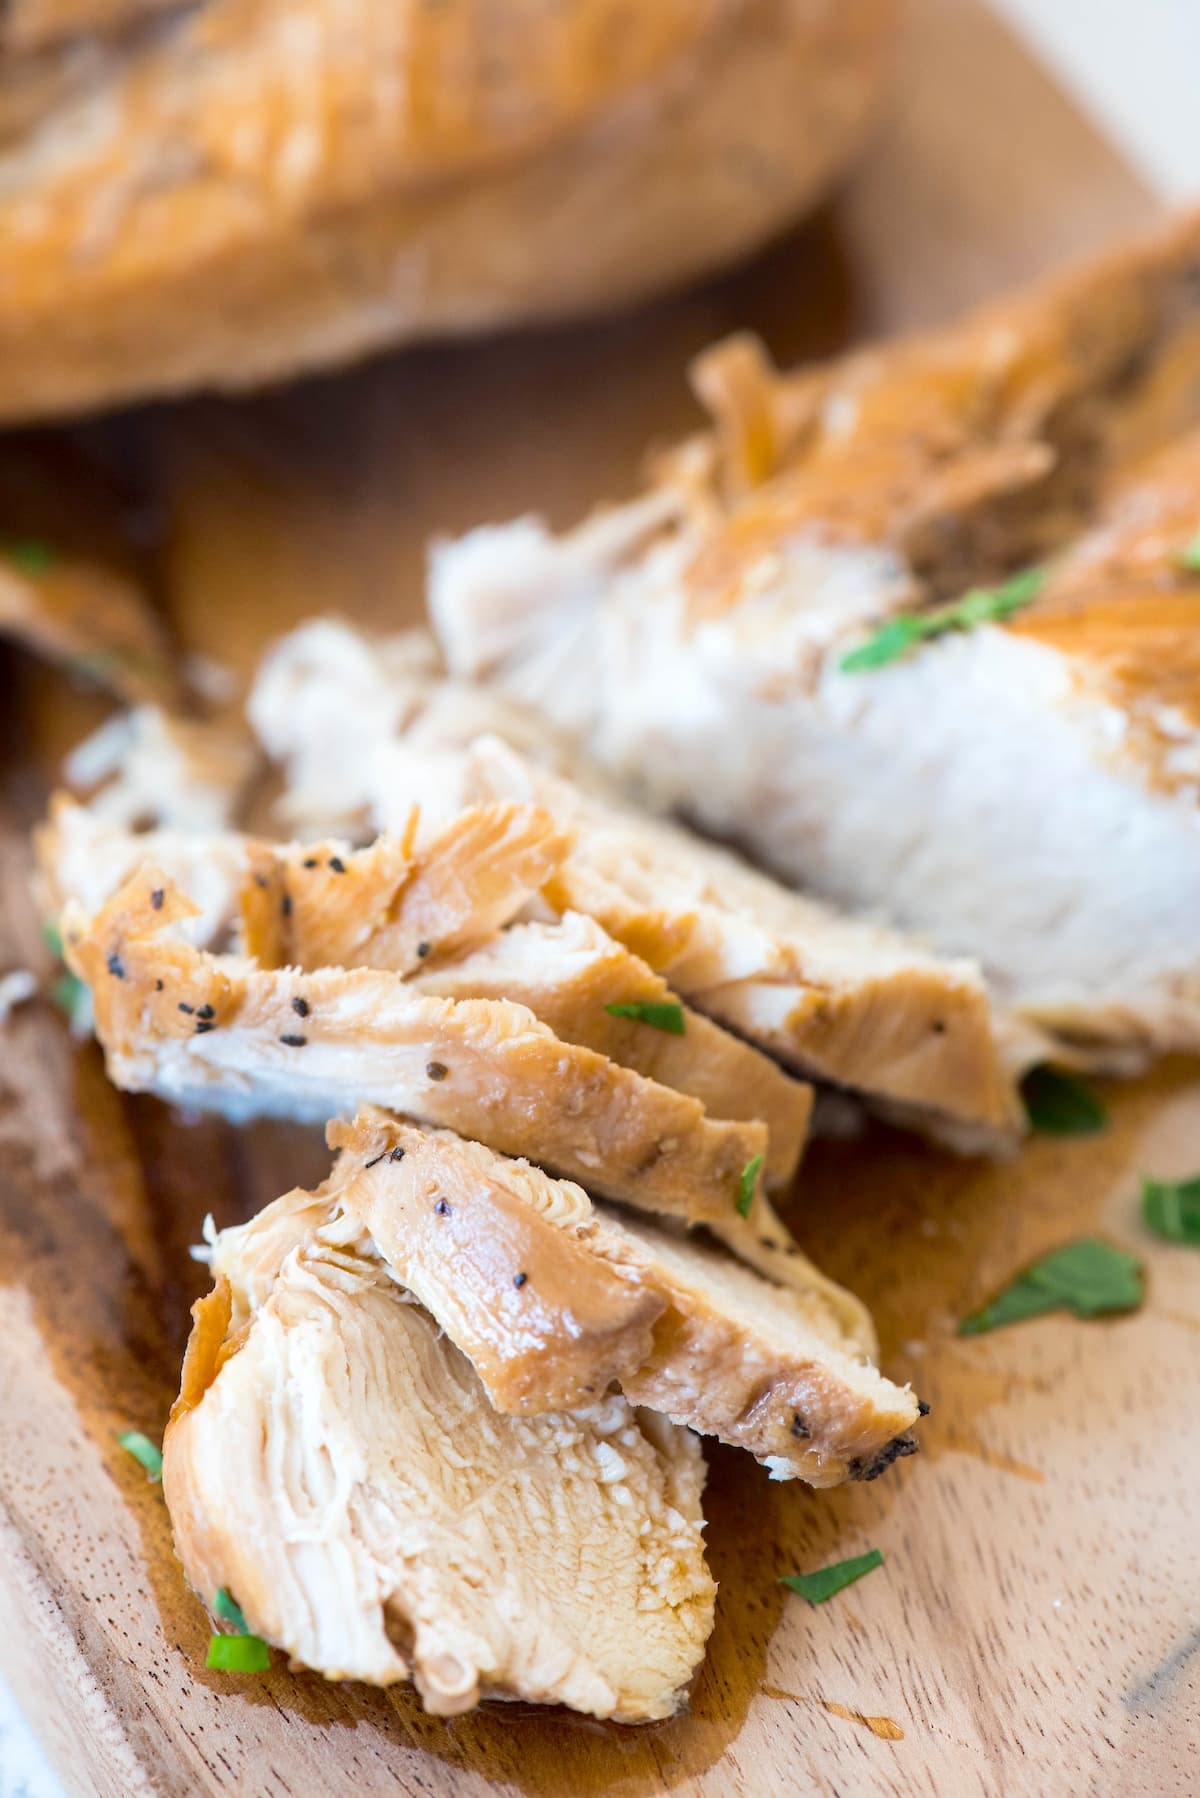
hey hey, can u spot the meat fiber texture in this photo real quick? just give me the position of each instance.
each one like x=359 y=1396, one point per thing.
x=1025 y=793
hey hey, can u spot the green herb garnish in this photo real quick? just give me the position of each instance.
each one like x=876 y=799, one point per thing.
x=241 y=1652
x=143 y=1450
x=28 y=554
x=1088 y=1277
x=819 y=1586
x=982 y=605
x=1171 y=1208
x=1059 y=1105
x=1189 y=555
x=52 y=937
x=238 y=1654
x=666 y=1015
x=230 y=1611
x=747 y=1181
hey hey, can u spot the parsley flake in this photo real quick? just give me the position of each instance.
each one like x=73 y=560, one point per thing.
x=661 y=1016
x=240 y=1652
x=747 y=1181
x=822 y=1584
x=1088 y=1277
x=28 y=554
x=1057 y=1104
x=143 y=1450
x=982 y=605
x=1171 y=1208
x=1188 y=557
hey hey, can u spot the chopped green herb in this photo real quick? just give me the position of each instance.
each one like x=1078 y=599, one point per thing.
x=982 y=605
x=238 y=1654
x=1171 y=1208
x=1059 y=1105
x=1189 y=555
x=241 y=1652
x=27 y=554
x=747 y=1181
x=143 y=1450
x=230 y=1611
x=663 y=1016
x=52 y=937
x=819 y=1586
x=1088 y=1277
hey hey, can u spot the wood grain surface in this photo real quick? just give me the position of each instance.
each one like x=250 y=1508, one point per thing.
x=1036 y=1625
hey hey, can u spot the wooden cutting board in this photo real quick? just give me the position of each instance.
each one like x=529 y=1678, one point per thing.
x=1036 y=1626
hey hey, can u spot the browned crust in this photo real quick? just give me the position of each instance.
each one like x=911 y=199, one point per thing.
x=490 y=1069
x=547 y=1325
x=970 y=450
x=391 y=906
x=430 y=141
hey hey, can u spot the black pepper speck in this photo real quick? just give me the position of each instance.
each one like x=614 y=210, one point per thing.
x=337 y=864
x=294 y=1042
x=397 y=1154
x=157 y=897
x=116 y=966
x=437 y=1070
x=423 y=950
x=519 y=1280
x=188 y=1008
x=310 y=861
x=285 y=905
x=300 y=1007
x=442 y=1208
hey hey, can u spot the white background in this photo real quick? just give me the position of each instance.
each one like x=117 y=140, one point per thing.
x=1134 y=65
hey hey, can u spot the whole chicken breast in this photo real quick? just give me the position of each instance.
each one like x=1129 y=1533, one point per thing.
x=1025 y=792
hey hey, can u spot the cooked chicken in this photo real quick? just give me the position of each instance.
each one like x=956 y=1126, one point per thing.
x=571 y=973
x=391 y=906
x=155 y=770
x=829 y=995
x=983 y=788
x=333 y=1462
x=219 y=1032
x=84 y=857
x=518 y=1269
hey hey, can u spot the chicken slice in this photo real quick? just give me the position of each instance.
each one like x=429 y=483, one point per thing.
x=392 y=906
x=829 y=995
x=785 y=1372
x=219 y=1032
x=1024 y=794
x=571 y=972
x=333 y=1462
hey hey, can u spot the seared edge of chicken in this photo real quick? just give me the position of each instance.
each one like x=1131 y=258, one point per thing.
x=219 y=1032
x=518 y=1269
x=333 y=1462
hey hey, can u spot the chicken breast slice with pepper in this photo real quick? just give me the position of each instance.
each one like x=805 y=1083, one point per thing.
x=333 y=1462
x=1025 y=792
x=219 y=1032
x=827 y=994
x=383 y=907
x=525 y=1276
x=440 y=910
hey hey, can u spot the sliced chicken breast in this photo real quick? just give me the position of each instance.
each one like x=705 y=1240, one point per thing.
x=980 y=789
x=829 y=995
x=572 y=975
x=392 y=906
x=552 y=1300
x=333 y=1463
x=219 y=1032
